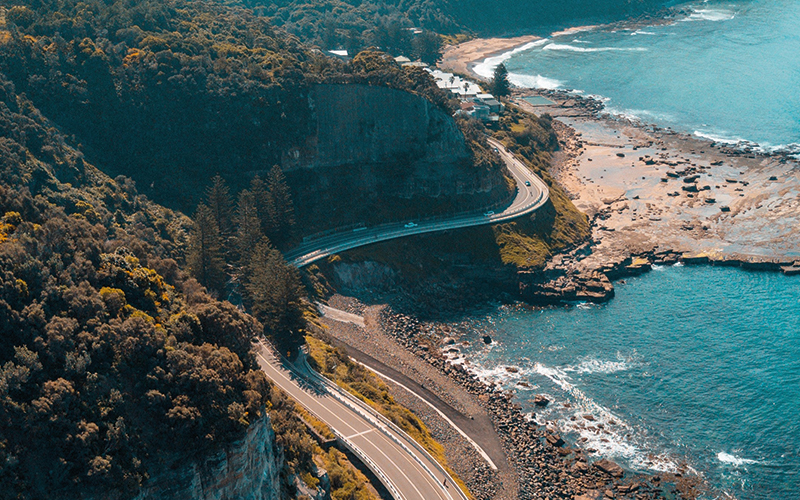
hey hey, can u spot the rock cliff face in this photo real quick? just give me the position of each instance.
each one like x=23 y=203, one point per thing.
x=390 y=152
x=247 y=470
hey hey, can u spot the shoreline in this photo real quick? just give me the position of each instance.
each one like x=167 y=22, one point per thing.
x=653 y=194
x=694 y=190
x=539 y=462
x=463 y=57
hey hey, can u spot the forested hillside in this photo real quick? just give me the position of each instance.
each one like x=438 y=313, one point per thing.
x=353 y=24
x=115 y=362
x=172 y=92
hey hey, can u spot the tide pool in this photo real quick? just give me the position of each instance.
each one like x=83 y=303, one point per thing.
x=693 y=368
x=728 y=71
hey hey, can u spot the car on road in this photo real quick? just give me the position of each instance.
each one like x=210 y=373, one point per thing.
x=527 y=183
x=410 y=225
x=488 y=214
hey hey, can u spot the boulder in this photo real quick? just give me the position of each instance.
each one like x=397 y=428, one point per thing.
x=609 y=468
x=554 y=440
x=540 y=400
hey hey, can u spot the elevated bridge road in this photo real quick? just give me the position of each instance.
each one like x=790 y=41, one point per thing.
x=532 y=193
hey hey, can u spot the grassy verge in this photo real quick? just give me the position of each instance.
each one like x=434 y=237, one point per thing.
x=336 y=365
x=529 y=241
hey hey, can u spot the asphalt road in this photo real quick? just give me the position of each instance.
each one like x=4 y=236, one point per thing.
x=528 y=199
x=406 y=471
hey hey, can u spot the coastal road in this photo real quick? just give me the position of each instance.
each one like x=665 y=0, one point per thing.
x=532 y=193
x=407 y=471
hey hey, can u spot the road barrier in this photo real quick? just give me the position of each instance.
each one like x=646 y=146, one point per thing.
x=360 y=407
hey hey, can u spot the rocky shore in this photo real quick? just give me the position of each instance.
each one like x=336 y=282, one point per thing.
x=656 y=197
x=544 y=465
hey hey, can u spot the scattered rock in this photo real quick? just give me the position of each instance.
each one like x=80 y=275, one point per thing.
x=487 y=339
x=554 y=440
x=609 y=467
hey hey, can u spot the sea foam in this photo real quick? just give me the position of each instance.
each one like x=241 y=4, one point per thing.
x=733 y=459
x=572 y=48
x=486 y=68
x=534 y=81
x=713 y=15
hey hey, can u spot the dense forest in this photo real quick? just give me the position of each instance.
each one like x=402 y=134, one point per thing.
x=354 y=24
x=167 y=91
x=116 y=357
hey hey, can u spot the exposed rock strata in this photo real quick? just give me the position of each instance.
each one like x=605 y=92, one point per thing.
x=247 y=470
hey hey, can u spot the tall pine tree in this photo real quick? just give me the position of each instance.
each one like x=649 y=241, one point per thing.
x=264 y=205
x=218 y=198
x=274 y=292
x=500 y=85
x=248 y=232
x=282 y=206
x=205 y=250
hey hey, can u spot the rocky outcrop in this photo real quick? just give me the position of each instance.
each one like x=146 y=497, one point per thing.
x=247 y=470
x=542 y=288
x=378 y=152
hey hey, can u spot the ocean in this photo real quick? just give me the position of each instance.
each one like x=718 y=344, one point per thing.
x=728 y=71
x=688 y=368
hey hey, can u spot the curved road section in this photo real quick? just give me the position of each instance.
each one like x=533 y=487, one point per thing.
x=407 y=470
x=532 y=193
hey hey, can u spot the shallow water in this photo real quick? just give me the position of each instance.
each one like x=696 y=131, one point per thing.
x=729 y=71
x=688 y=367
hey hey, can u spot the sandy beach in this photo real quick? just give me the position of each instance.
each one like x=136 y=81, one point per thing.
x=463 y=57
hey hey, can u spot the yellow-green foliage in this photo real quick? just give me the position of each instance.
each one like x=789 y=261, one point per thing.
x=529 y=241
x=347 y=482
x=365 y=385
x=114 y=299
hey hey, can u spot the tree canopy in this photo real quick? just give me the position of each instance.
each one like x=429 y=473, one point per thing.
x=500 y=85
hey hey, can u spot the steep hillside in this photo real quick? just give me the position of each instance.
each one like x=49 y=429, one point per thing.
x=441 y=273
x=381 y=154
x=172 y=93
x=353 y=24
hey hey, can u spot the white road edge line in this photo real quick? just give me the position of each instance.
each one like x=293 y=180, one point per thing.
x=324 y=309
x=437 y=410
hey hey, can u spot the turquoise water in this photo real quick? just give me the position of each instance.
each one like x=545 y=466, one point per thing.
x=694 y=368
x=730 y=71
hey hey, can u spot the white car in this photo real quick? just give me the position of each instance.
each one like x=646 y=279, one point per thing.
x=488 y=214
x=410 y=225
x=527 y=183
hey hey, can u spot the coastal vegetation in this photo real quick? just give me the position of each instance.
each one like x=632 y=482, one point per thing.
x=389 y=24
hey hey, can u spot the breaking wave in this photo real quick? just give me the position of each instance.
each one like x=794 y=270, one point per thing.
x=572 y=48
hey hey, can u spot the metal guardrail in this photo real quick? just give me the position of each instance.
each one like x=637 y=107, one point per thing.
x=360 y=407
x=316 y=238
x=371 y=465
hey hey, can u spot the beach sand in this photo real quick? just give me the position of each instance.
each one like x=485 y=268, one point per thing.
x=462 y=58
